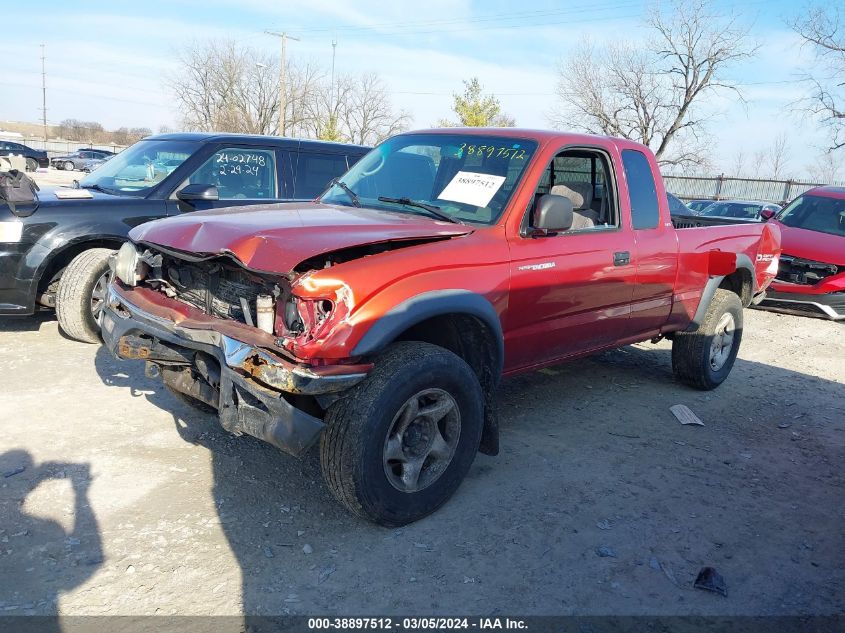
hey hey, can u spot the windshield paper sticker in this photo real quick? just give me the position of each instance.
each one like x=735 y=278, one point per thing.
x=471 y=188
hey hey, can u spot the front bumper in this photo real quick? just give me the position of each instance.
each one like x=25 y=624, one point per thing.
x=830 y=305
x=250 y=387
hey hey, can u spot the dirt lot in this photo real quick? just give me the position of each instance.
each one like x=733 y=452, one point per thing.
x=131 y=503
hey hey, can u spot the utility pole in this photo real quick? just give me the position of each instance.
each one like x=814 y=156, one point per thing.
x=334 y=52
x=282 y=86
x=44 y=95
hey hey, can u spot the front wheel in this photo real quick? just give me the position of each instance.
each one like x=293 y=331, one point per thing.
x=704 y=358
x=82 y=294
x=400 y=443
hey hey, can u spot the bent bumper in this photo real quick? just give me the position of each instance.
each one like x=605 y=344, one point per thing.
x=247 y=387
x=829 y=306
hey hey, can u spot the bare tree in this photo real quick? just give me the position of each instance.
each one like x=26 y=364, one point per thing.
x=821 y=27
x=222 y=86
x=367 y=115
x=652 y=93
x=777 y=156
x=828 y=168
x=739 y=166
x=759 y=163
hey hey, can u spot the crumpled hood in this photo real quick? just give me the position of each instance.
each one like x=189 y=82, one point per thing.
x=277 y=237
x=814 y=245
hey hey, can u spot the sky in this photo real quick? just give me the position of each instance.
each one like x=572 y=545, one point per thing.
x=107 y=61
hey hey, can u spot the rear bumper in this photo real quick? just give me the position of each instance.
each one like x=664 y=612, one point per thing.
x=829 y=306
x=251 y=388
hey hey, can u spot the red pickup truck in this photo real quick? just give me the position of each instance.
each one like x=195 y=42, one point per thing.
x=381 y=316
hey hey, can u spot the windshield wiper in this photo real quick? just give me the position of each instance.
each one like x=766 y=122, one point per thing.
x=97 y=187
x=433 y=210
x=352 y=195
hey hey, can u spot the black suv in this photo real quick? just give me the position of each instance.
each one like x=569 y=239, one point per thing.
x=56 y=255
x=35 y=158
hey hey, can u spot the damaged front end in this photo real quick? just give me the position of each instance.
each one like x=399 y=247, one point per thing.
x=225 y=336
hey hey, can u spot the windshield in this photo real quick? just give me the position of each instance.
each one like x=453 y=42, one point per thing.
x=733 y=210
x=141 y=167
x=815 y=213
x=469 y=178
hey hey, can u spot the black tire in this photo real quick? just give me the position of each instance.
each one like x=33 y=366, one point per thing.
x=354 y=446
x=695 y=359
x=31 y=164
x=80 y=296
x=69 y=166
x=58 y=165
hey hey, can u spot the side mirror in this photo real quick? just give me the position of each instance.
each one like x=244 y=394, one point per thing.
x=768 y=214
x=193 y=193
x=552 y=214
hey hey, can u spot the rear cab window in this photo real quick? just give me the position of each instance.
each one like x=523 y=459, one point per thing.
x=314 y=171
x=642 y=190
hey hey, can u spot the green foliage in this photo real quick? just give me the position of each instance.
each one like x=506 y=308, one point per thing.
x=329 y=130
x=477 y=110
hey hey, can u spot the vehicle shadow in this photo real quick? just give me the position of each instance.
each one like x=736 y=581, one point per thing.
x=31 y=323
x=32 y=542
x=300 y=553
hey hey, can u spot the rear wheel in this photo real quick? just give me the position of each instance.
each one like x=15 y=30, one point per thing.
x=69 y=166
x=704 y=358
x=31 y=164
x=400 y=443
x=82 y=294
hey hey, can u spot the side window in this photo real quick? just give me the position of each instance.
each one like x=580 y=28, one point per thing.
x=582 y=177
x=239 y=174
x=645 y=212
x=314 y=171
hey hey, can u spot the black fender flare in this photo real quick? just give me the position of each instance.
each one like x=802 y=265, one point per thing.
x=743 y=262
x=430 y=304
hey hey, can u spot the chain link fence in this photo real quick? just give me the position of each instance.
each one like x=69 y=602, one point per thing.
x=726 y=188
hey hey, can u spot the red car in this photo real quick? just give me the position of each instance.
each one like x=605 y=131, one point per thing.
x=811 y=276
x=380 y=317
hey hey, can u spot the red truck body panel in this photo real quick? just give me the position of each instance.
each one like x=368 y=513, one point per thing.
x=556 y=297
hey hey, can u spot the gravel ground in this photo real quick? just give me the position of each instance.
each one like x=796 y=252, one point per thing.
x=131 y=503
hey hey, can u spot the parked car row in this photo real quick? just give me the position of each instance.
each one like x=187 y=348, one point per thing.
x=81 y=159
x=35 y=158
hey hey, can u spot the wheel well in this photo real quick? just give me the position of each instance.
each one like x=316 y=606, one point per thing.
x=462 y=334
x=740 y=282
x=59 y=262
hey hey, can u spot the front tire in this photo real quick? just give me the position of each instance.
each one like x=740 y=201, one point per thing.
x=704 y=358
x=82 y=295
x=399 y=444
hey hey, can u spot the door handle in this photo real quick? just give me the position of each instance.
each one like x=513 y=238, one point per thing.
x=621 y=258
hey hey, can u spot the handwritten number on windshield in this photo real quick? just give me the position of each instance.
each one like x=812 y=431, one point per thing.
x=490 y=150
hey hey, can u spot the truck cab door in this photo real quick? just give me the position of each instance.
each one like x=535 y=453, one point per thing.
x=656 y=245
x=571 y=292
